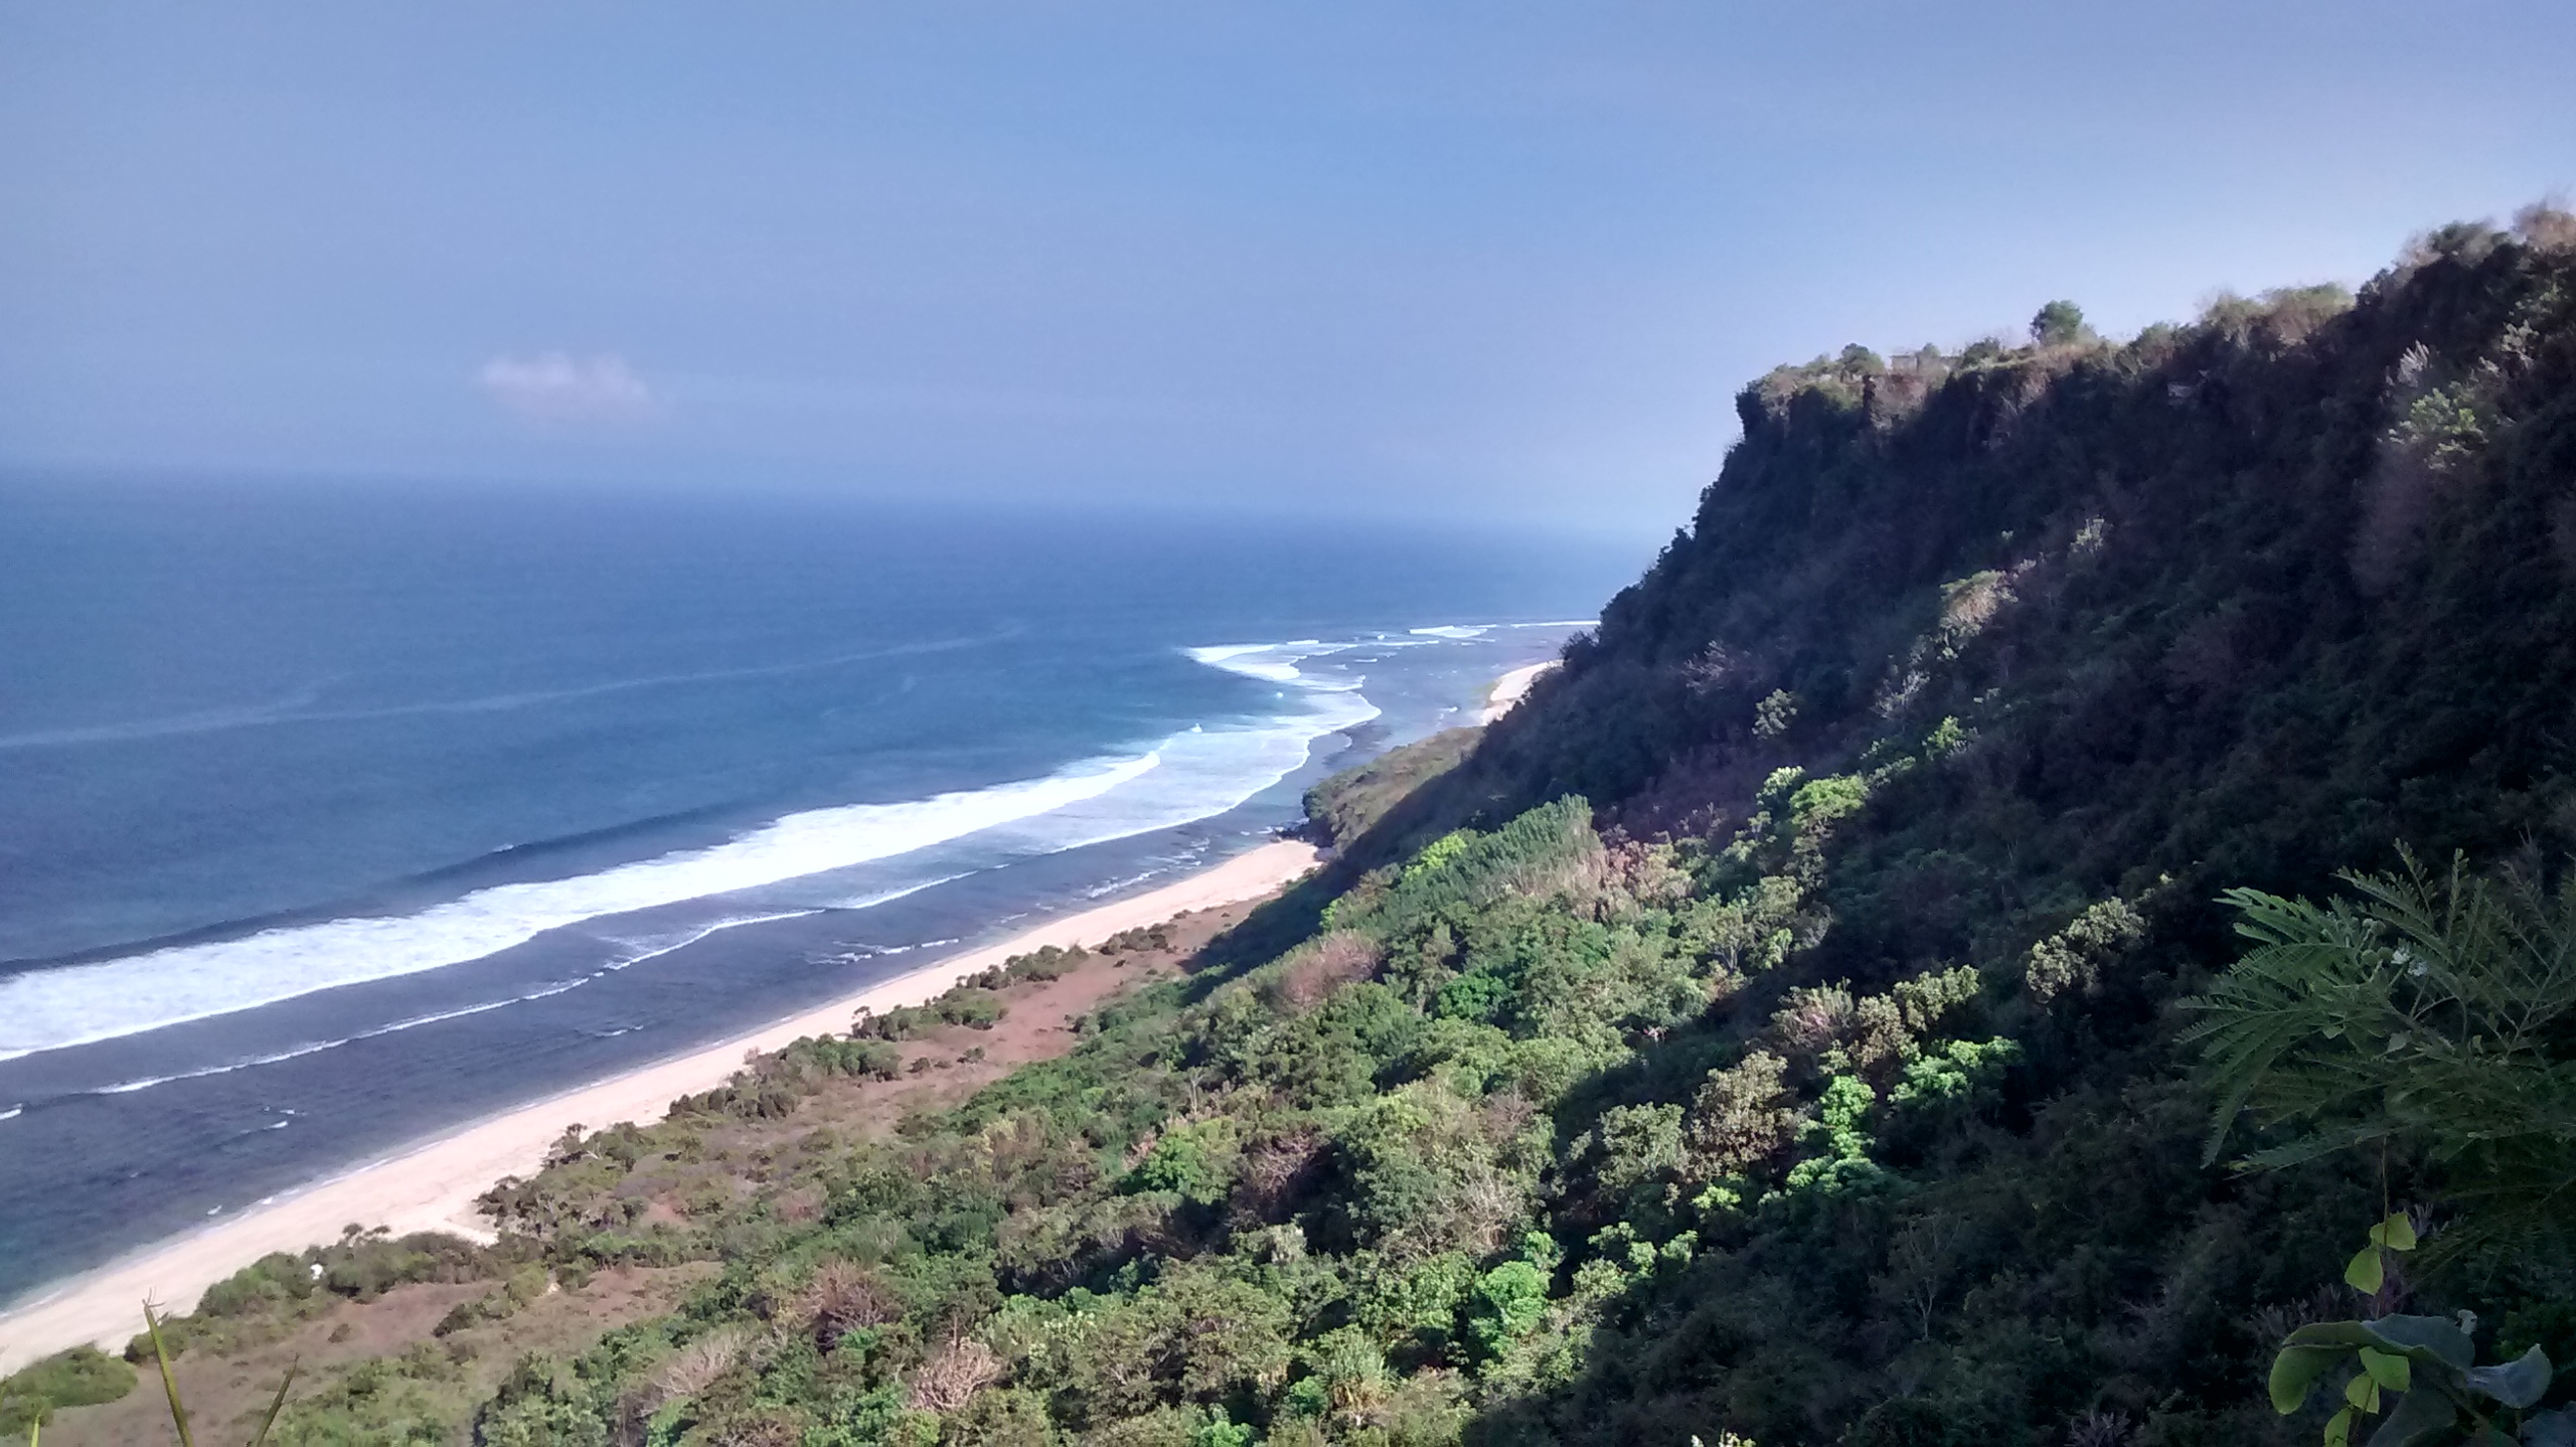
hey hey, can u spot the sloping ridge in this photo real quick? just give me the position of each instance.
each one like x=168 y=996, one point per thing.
x=2244 y=601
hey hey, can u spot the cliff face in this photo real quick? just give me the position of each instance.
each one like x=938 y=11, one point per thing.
x=2244 y=601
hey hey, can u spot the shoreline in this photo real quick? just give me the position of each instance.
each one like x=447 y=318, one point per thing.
x=431 y=1185
x=1509 y=689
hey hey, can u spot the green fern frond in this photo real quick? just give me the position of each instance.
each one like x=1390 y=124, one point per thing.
x=2436 y=1009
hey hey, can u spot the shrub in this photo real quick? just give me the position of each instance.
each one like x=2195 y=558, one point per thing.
x=854 y=1057
x=81 y=1377
x=1508 y=1302
x=1047 y=963
x=278 y=1290
x=974 y=1009
x=1315 y=969
x=2430 y=1011
x=1143 y=937
x=1195 y=1163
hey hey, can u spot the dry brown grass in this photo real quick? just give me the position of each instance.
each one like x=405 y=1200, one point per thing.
x=2546 y=226
x=1315 y=970
x=1275 y=1170
x=953 y=1375
x=843 y=1298
x=695 y=1367
x=221 y=1386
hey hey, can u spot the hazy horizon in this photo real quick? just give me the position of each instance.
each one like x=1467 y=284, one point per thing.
x=1359 y=259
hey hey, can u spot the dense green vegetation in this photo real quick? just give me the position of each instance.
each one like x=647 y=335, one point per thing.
x=1805 y=1017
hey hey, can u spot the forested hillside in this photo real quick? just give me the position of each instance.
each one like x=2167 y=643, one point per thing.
x=2044 y=649
x=1782 y=1025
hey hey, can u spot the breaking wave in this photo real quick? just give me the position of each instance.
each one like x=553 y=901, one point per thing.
x=1191 y=775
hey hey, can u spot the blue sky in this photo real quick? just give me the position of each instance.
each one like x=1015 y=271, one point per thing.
x=1373 y=256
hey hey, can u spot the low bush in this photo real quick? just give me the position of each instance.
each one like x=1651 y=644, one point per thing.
x=266 y=1297
x=81 y=1377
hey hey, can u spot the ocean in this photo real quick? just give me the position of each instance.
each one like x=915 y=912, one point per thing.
x=336 y=816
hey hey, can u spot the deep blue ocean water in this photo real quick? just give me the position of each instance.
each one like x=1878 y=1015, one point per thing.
x=331 y=817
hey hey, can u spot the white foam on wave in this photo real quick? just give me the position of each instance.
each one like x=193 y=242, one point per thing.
x=1461 y=632
x=873 y=952
x=292 y=1052
x=646 y=951
x=77 y=1004
x=316 y=1047
x=888 y=896
x=1110 y=887
x=1192 y=775
x=1208 y=770
x=1203 y=772
x=655 y=948
x=1189 y=776
x=1274 y=662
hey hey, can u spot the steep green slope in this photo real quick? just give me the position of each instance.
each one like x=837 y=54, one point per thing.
x=1786 y=1044
x=2090 y=633
x=2249 y=599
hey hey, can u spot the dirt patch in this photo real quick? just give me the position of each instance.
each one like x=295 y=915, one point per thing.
x=227 y=1391
x=949 y=1064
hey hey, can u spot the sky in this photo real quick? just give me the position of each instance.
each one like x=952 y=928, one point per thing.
x=1507 y=259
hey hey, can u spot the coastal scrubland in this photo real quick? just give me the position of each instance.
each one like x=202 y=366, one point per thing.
x=397 y=1338
x=1862 y=996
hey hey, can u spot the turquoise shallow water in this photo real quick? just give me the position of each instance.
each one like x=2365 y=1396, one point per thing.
x=330 y=817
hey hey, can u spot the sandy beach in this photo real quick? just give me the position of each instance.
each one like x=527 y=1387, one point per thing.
x=1509 y=688
x=432 y=1186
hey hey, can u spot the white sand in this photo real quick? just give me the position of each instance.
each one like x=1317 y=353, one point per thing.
x=432 y=1186
x=1509 y=688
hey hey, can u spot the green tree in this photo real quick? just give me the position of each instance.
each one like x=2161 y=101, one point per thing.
x=2057 y=323
x=1510 y=1299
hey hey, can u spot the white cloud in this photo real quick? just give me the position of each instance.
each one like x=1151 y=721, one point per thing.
x=560 y=387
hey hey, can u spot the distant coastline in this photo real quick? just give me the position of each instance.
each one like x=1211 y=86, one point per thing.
x=1511 y=688
x=432 y=1185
